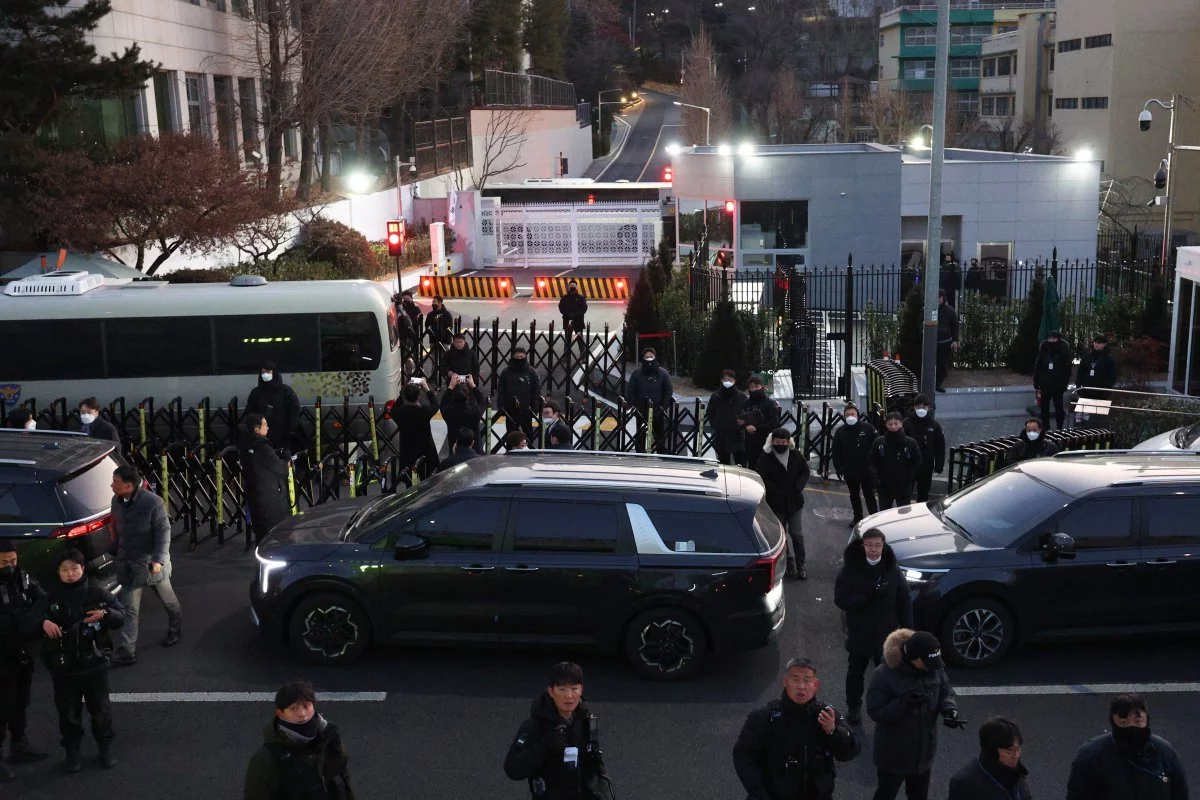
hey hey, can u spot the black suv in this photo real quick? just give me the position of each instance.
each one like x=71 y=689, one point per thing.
x=1083 y=543
x=664 y=559
x=55 y=493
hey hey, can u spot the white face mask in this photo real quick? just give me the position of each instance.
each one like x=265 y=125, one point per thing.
x=851 y=420
x=727 y=384
x=87 y=419
x=266 y=376
x=922 y=413
x=876 y=561
x=31 y=425
x=548 y=421
x=1033 y=435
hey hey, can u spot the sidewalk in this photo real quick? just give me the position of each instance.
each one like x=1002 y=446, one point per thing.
x=621 y=129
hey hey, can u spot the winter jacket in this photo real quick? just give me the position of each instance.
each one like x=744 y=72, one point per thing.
x=723 y=409
x=906 y=704
x=573 y=306
x=103 y=429
x=1097 y=369
x=265 y=477
x=761 y=413
x=536 y=754
x=1103 y=770
x=647 y=388
x=461 y=362
x=463 y=410
x=785 y=487
x=458 y=456
x=851 y=447
x=22 y=609
x=874 y=599
x=561 y=431
x=80 y=649
x=278 y=402
x=947 y=329
x=287 y=769
x=1024 y=449
x=894 y=460
x=783 y=753
x=1052 y=368
x=928 y=435
x=142 y=534
x=413 y=312
x=978 y=781
x=520 y=390
x=416 y=437
x=440 y=324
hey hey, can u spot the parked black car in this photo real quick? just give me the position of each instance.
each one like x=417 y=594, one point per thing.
x=55 y=493
x=1083 y=543
x=664 y=559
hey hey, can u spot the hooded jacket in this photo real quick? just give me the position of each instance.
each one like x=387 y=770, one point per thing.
x=783 y=753
x=1024 y=449
x=1052 y=367
x=894 y=460
x=1104 y=770
x=851 y=446
x=874 y=599
x=723 y=409
x=278 y=402
x=22 y=609
x=287 y=769
x=536 y=754
x=928 y=435
x=79 y=650
x=906 y=704
x=980 y=781
x=785 y=486
x=265 y=475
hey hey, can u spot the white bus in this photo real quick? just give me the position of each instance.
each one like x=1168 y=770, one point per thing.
x=72 y=335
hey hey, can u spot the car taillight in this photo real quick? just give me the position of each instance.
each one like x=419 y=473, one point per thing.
x=81 y=529
x=772 y=565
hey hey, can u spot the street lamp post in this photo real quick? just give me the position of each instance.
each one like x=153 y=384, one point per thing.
x=1144 y=123
x=707 y=119
x=937 y=156
x=600 y=108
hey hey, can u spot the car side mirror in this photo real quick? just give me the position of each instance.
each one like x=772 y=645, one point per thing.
x=410 y=547
x=1058 y=545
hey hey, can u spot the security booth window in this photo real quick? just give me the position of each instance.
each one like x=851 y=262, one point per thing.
x=774 y=225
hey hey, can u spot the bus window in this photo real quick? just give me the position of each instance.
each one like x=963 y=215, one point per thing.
x=244 y=342
x=52 y=350
x=158 y=347
x=350 y=342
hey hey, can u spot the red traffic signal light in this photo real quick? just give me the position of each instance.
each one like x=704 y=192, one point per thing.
x=395 y=237
x=591 y=199
x=668 y=175
x=729 y=204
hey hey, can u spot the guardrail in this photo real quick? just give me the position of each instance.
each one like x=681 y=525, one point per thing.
x=971 y=462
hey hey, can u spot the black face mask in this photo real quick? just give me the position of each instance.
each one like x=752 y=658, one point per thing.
x=756 y=393
x=517 y=363
x=779 y=448
x=306 y=729
x=8 y=573
x=896 y=434
x=1132 y=738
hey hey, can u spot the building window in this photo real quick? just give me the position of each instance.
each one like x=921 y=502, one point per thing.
x=1066 y=103
x=1069 y=45
x=1051 y=59
x=1050 y=105
x=1098 y=41
x=240 y=7
x=969 y=34
x=777 y=225
x=920 y=36
x=226 y=128
x=989 y=68
x=967 y=103
x=197 y=103
x=1007 y=65
x=1003 y=28
x=823 y=90
x=1001 y=105
x=964 y=68
x=166 y=101
x=218 y=5
x=249 y=114
x=1095 y=103
x=918 y=69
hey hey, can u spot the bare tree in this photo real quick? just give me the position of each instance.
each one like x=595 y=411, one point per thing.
x=1126 y=204
x=504 y=139
x=703 y=85
x=895 y=114
x=1024 y=134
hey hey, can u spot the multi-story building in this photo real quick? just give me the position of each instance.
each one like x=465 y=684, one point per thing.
x=1015 y=97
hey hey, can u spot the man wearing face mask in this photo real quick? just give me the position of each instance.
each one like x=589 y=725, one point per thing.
x=1128 y=762
x=554 y=431
x=302 y=755
x=573 y=307
x=22 y=609
x=464 y=406
x=439 y=322
x=1031 y=444
x=851 y=447
x=519 y=393
x=265 y=477
x=758 y=416
x=923 y=429
x=729 y=439
x=650 y=387
x=894 y=461
x=785 y=473
x=276 y=401
x=998 y=773
x=95 y=425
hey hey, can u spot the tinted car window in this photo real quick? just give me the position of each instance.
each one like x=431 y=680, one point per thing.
x=997 y=511
x=1099 y=523
x=565 y=527
x=25 y=502
x=88 y=492
x=245 y=341
x=182 y=346
x=462 y=525
x=76 y=344
x=1172 y=520
x=350 y=342
x=700 y=532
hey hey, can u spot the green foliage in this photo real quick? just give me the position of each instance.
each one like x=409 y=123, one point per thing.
x=675 y=309
x=1154 y=415
x=725 y=346
x=1023 y=350
x=908 y=333
x=641 y=315
x=546 y=36
x=1117 y=316
x=881 y=330
x=1138 y=361
x=344 y=248
x=756 y=330
x=416 y=252
x=494 y=33
x=656 y=272
x=219 y=275
x=987 y=328
x=294 y=268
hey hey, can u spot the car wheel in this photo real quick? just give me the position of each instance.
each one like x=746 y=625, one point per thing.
x=667 y=644
x=977 y=632
x=329 y=629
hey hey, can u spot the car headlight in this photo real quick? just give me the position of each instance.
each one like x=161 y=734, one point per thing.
x=265 y=567
x=921 y=577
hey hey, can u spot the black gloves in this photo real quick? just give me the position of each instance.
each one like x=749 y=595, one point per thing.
x=950 y=719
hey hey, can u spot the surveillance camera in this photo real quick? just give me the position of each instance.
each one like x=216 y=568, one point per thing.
x=1160 y=178
x=1144 y=119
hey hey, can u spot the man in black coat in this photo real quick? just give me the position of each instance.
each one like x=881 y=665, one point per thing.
x=947 y=337
x=872 y=593
x=650 y=387
x=1031 y=444
x=412 y=414
x=1097 y=372
x=302 y=755
x=264 y=474
x=573 y=307
x=905 y=698
x=22 y=609
x=278 y=402
x=519 y=392
x=851 y=447
x=460 y=360
x=464 y=449
x=557 y=750
x=1129 y=762
x=923 y=429
x=1051 y=375
x=95 y=425
x=464 y=406
x=785 y=473
x=555 y=431
x=729 y=438
x=894 y=461
x=787 y=748
x=758 y=417
x=439 y=322
x=998 y=773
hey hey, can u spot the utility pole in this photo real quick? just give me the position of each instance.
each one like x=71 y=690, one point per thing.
x=937 y=156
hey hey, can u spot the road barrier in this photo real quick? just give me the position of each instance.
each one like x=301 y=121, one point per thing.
x=591 y=288
x=971 y=462
x=467 y=287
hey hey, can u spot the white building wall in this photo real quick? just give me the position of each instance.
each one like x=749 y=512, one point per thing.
x=549 y=133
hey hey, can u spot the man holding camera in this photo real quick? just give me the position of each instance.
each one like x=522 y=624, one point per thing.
x=787 y=748
x=906 y=696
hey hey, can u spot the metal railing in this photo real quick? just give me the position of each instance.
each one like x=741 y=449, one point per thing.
x=526 y=91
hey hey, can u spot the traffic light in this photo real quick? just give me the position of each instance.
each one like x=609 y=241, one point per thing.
x=668 y=175
x=729 y=204
x=591 y=198
x=395 y=237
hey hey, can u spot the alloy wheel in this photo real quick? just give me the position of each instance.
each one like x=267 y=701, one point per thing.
x=978 y=634
x=330 y=631
x=666 y=645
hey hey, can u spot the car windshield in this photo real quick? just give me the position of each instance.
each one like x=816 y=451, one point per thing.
x=385 y=509
x=997 y=511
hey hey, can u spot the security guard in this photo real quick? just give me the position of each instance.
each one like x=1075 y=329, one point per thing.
x=22 y=609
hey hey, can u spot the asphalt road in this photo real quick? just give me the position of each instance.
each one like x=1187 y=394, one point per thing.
x=641 y=145
x=442 y=730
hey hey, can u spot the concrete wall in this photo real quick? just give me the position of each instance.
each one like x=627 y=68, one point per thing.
x=548 y=133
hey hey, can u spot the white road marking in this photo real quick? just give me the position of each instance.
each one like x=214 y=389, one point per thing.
x=1077 y=689
x=653 y=151
x=239 y=697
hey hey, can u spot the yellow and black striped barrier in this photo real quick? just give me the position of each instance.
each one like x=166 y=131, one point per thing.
x=469 y=286
x=591 y=288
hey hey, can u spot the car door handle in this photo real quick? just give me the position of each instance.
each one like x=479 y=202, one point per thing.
x=477 y=568
x=1161 y=562
x=1120 y=564
x=521 y=568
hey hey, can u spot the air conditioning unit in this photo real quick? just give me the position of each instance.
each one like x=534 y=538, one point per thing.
x=54 y=284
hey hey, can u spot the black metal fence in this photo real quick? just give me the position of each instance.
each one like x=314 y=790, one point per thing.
x=971 y=462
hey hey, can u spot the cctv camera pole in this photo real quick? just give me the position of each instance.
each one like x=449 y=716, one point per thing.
x=937 y=155
x=1166 y=242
